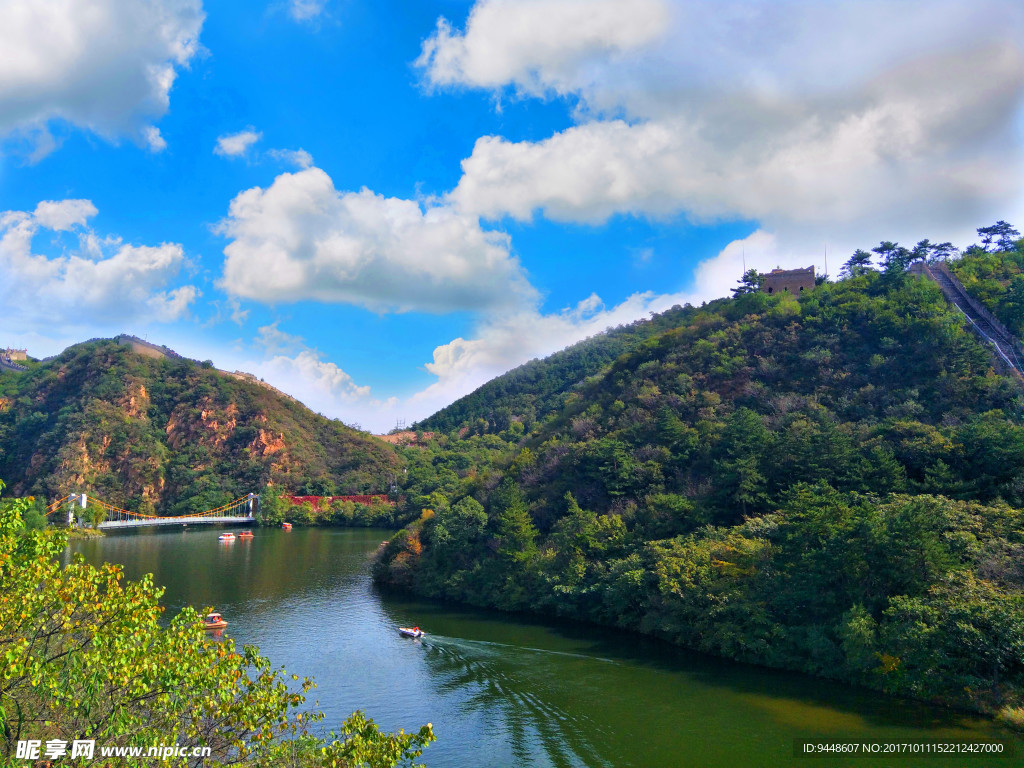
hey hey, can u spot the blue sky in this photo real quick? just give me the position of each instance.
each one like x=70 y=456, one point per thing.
x=379 y=206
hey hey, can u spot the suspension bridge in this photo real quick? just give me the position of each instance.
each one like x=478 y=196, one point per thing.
x=241 y=510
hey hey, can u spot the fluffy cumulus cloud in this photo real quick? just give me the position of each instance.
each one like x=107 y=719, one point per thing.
x=794 y=113
x=62 y=215
x=302 y=239
x=236 y=144
x=290 y=359
x=96 y=283
x=538 y=45
x=107 y=66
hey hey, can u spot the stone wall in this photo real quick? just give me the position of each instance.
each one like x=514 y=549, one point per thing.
x=787 y=280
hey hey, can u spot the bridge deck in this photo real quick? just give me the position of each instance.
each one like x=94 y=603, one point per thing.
x=176 y=521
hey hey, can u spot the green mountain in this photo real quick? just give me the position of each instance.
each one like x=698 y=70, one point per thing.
x=142 y=428
x=830 y=484
x=539 y=388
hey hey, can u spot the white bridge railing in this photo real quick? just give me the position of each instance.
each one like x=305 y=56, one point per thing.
x=241 y=510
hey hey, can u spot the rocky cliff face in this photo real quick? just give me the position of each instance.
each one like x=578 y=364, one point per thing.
x=171 y=435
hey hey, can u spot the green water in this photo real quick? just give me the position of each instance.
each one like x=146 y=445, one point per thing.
x=503 y=691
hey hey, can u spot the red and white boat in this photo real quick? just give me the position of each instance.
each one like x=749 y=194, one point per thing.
x=214 y=621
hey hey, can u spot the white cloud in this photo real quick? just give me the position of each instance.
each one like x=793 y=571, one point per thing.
x=307 y=371
x=462 y=365
x=154 y=139
x=302 y=239
x=288 y=363
x=236 y=144
x=538 y=44
x=273 y=341
x=306 y=10
x=106 y=66
x=62 y=215
x=791 y=113
x=300 y=158
x=238 y=315
x=99 y=283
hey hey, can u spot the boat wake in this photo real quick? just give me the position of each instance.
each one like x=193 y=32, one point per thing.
x=520 y=688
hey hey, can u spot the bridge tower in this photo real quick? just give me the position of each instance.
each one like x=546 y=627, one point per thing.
x=78 y=498
x=252 y=504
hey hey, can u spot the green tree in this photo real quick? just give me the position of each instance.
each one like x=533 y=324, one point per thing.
x=895 y=258
x=97 y=515
x=741 y=481
x=858 y=264
x=84 y=656
x=749 y=283
x=1011 y=305
x=1001 y=233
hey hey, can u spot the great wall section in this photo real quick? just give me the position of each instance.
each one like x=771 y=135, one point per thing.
x=1009 y=351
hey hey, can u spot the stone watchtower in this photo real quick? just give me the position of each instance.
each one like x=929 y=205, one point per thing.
x=787 y=280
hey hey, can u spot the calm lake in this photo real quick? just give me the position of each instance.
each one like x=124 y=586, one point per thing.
x=502 y=691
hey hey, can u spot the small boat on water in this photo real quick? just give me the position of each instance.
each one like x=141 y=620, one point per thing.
x=226 y=537
x=245 y=535
x=415 y=632
x=286 y=526
x=214 y=621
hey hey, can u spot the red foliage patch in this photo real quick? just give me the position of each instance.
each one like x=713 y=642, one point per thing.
x=318 y=502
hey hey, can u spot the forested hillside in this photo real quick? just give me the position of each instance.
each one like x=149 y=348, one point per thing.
x=170 y=435
x=994 y=274
x=830 y=484
x=532 y=391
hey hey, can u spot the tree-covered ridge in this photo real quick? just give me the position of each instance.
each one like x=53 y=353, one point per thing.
x=171 y=435
x=538 y=388
x=827 y=484
x=993 y=273
x=863 y=384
